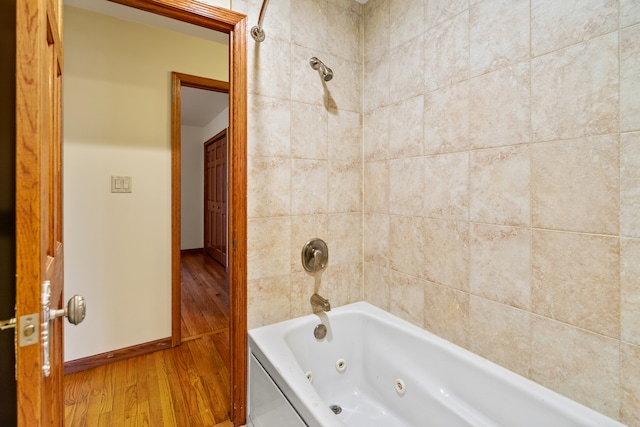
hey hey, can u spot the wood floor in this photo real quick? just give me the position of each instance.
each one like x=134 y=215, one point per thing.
x=188 y=385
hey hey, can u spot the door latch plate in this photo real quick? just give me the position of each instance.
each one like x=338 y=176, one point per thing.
x=29 y=329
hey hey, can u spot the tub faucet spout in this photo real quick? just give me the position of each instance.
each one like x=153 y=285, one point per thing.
x=319 y=303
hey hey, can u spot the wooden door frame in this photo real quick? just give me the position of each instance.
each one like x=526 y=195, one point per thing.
x=38 y=202
x=178 y=80
x=234 y=24
x=222 y=134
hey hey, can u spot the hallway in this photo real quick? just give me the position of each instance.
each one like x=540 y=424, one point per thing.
x=185 y=385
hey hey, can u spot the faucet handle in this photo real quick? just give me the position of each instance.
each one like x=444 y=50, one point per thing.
x=315 y=255
x=317 y=259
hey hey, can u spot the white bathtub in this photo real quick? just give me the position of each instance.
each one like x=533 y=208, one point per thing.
x=383 y=371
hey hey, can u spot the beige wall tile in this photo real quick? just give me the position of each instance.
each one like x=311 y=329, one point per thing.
x=376 y=37
x=345 y=187
x=406 y=76
x=445 y=251
x=305 y=85
x=575 y=185
x=240 y=6
x=303 y=285
x=309 y=186
x=574 y=91
x=629 y=12
x=630 y=376
x=309 y=27
x=269 y=69
x=498 y=34
x=343 y=284
x=629 y=80
x=345 y=136
x=406 y=300
x=446 y=53
x=576 y=280
x=377 y=283
x=308 y=131
x=406 y=21
x=558 y=24
x=629 y=188
x=376 y=187
x=268 y=192
x=343 y=34
x=437 y=11
x=277 y=24
x=446 y=313
x=500 y=264
x=344 y=90
x=268 y=127
x=500 y=333
x=446 y=119
x=630 y=290
x=500 y=113
x=303 y=229
x=344 y=238
x=269 y=256
x=269 y=299
x=581 y=365
x=376 y=239
x=377 y=81
x=500 y=186
x=376 y=134
x=405 y=250
x=405 y=128
x=446 y=186
x=406 y=178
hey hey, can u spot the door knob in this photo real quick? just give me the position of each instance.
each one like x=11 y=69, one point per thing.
x=75 y=310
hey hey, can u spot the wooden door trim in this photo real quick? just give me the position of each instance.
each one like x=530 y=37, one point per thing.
x=234 y=24
x=177 y=81
x=38 y=256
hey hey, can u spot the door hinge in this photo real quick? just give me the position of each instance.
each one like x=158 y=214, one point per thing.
x=234 y=244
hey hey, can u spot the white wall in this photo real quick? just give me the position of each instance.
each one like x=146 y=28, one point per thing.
x=217 y=124
x=192 y=179
x=192 y=188
x=117 y=86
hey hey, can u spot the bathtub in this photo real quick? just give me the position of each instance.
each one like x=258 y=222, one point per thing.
x=378 y=370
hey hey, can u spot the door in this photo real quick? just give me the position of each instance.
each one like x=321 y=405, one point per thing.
x=215 y=192
x=39 y=250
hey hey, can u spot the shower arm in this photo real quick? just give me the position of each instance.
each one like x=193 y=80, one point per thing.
x=256 y=32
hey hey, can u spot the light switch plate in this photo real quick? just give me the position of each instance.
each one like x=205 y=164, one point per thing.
x=121 y=184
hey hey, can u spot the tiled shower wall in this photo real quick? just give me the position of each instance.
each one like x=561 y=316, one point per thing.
x=502 y=184
x=305 y=155
x=501 y=205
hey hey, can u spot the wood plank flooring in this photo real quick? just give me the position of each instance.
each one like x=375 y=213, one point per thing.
x=187 y=385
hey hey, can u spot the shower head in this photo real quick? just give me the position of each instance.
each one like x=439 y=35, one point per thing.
x=325 y=72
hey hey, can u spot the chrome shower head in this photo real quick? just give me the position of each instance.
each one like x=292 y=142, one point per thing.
x=325 y=72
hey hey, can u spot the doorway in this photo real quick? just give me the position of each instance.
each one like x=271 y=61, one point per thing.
x=233 y=24
x=199 y=110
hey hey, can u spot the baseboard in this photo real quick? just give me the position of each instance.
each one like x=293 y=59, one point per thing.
x=113 y=356
x=192 y=251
